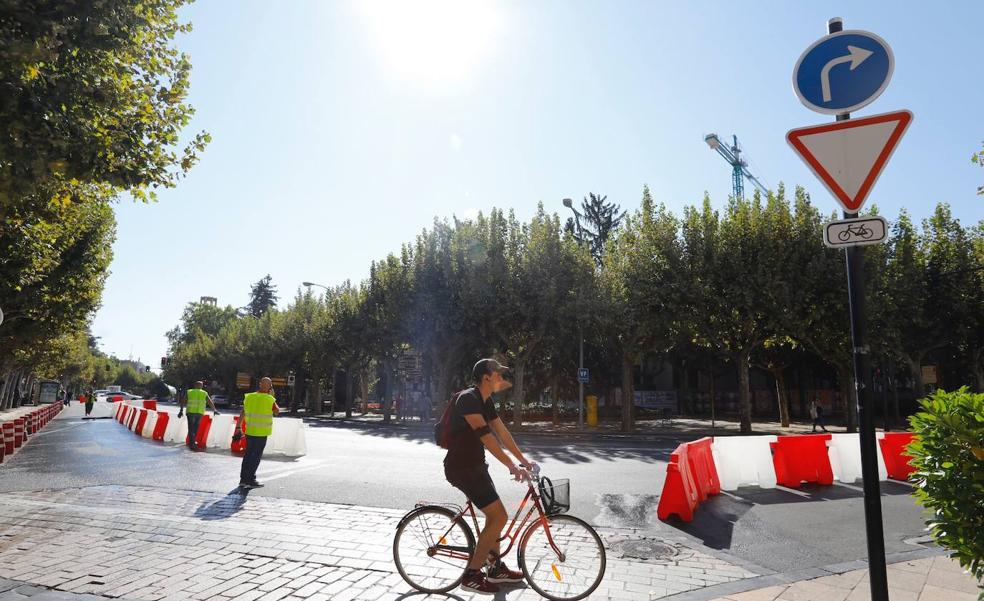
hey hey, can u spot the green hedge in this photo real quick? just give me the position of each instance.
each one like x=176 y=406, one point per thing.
x=948 y=453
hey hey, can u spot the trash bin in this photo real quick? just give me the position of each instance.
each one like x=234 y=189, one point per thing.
x=592 y=410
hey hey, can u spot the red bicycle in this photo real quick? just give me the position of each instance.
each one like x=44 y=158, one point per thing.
x=561 y=556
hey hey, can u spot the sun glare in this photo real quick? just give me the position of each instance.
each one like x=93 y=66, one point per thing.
x=432 y=43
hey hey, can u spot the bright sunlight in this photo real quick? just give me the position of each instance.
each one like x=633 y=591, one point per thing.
x=432 y=43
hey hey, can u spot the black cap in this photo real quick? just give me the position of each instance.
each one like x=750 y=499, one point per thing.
x=485 y=367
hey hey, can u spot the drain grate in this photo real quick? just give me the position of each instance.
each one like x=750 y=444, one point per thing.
x=644 y=549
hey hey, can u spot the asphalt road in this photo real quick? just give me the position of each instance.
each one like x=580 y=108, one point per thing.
x=614 y=483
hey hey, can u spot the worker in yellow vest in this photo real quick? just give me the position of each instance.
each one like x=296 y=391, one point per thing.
x=194 y=405
x=258 y=411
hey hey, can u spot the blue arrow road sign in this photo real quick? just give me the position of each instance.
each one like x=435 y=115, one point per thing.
x=843 y=72
x=582 y=375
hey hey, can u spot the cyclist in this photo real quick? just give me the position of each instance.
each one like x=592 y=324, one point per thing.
x=475 y=426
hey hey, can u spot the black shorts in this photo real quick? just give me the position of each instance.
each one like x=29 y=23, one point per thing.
x=475 y=482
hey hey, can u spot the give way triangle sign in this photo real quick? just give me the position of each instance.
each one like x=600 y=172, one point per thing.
x=848 y=156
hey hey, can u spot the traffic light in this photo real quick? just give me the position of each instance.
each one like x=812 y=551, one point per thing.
x=147 y=369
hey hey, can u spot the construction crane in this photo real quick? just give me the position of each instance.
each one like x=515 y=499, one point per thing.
x=739 y=168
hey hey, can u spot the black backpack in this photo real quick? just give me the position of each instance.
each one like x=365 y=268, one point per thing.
x=442 y=429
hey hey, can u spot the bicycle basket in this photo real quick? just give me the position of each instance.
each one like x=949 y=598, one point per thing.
x=555 y=495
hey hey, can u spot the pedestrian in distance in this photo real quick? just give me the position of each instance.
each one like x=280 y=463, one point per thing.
x=88 y=398
x=258 y=410
x=194 y=405
x=816 y=413
x=474 y=426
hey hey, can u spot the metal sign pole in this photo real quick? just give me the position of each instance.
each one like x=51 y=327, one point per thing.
x=877 y=573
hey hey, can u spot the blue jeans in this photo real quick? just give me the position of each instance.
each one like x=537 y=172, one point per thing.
x=193 y=420
x=251 y=461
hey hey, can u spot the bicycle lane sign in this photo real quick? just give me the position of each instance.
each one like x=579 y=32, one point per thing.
x=855 y=232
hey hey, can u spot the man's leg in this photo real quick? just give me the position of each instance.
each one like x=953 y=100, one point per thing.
x=488 y=539
x=193 y=420
x=251 y=460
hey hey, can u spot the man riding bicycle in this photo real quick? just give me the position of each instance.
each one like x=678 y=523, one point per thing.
x=475 y=426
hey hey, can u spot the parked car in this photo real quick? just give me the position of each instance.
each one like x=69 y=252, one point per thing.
x=220 y=400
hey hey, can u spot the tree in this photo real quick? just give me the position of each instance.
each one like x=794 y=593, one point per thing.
x=640 y=279
x=200 y=317
x=52 y=274
x=93 y=98
x=262 y=297
x=598 y=220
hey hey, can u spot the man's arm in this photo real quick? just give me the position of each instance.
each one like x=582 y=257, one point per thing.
x=477 y=423
x=208 y=398
x=502 y=433
x=276 y=408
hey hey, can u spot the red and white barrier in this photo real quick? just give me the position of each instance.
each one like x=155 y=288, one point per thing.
x=702 y=468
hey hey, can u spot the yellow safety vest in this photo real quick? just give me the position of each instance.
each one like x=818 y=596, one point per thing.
x=258 y=407
x=196 y=400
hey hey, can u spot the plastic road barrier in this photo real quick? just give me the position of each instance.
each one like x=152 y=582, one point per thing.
x=150 y=424
x=8 y=437
x=160 y=426
x=845 y=458
x=19 y=437
x=288 y=438
x=152 y=405
x=141 y=420
x=802 y=458
x=744 y=461
x=679 y=496
x=896 y=456
x=238 y=447
x=220 y=433
x=202 y=435
x=702 y=468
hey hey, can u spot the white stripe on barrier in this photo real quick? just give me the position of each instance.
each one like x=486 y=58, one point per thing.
x=845 y=457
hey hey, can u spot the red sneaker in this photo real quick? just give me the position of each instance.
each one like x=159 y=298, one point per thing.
x=499 y=573
x=476 y=582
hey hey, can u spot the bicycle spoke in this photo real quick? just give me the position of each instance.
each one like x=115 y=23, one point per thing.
x=584 y=559
x=432 y=530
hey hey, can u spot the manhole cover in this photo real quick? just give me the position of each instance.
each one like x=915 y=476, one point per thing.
x=644 y=548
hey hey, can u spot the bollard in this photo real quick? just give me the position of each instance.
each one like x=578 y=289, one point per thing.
x=8 y=437
x=18 y=432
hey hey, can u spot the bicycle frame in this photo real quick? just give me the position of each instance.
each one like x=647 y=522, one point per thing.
x=511 y=533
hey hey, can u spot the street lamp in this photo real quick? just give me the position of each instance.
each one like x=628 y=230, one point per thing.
x=309 y=284
x=580 y=335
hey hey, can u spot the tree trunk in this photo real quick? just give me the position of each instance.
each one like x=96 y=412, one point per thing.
x=781 y=396
x=850 y=394
x=386 y=390
x=915 y=366
x=744 y=398
x=686 y=400
x=628 y=393
x=519 y=373
x=364 y=389
x=348 y=392
x=554 y=401
x=711 y=374
x=895 y=394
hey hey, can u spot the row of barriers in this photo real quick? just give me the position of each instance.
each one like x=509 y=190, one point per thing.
x=214 y=431
x=20 y=424
x=705 y=467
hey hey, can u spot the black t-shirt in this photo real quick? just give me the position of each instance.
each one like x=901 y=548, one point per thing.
x=466 y=449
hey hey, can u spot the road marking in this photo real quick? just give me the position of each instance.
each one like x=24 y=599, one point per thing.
x=851 y=486
x=274 y=475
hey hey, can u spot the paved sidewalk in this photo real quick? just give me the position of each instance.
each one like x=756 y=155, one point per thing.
x=155 y=544
x=929 y=579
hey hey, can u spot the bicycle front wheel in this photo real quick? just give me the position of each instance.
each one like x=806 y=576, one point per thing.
x=431 y=550
x=575 y=574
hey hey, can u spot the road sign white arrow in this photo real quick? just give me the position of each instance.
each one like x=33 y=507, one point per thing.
x=855 y=56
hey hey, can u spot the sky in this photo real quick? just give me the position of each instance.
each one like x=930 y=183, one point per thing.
x=342 y=129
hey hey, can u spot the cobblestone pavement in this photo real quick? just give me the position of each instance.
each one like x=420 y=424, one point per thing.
x=153 y=544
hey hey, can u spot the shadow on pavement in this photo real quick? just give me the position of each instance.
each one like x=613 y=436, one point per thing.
x=715 y=519
x=225 y=507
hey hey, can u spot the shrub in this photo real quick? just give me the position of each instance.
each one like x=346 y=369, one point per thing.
x=948 y=452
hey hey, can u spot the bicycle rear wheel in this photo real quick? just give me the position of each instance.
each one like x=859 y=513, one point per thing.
x=580 y=571
x=431 y=550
